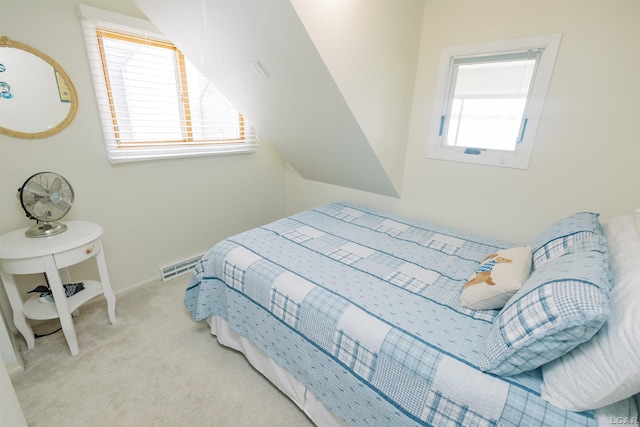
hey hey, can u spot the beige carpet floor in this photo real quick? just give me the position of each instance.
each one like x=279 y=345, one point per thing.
x=156 y=367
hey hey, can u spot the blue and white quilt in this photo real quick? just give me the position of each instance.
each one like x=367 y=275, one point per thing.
x=363 y=308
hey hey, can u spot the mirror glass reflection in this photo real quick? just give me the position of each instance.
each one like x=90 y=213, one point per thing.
x=37 y=98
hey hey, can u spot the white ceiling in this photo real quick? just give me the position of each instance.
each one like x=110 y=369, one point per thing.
x=298 y=108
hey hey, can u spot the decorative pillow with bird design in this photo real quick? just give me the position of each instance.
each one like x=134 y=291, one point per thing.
x=497 y=278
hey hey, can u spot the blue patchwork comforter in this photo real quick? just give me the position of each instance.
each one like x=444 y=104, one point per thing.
x=363 y=308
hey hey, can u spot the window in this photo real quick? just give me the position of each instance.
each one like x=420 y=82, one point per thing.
x=153 y=101
x=489 y=101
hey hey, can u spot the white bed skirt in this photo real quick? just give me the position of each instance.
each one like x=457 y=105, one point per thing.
x=296 y=391
x=323 y=417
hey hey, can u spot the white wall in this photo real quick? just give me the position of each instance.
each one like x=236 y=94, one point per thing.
x=371 y=50
x=153 y=213
x=587 y=153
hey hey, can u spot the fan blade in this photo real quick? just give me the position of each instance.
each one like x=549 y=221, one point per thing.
x=35 y=188
x=63 y=205
x=55 y=212
x=55 y=187
x=41 y=208
x=67 y=198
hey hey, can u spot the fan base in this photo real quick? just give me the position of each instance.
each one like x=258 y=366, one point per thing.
x=45 y=229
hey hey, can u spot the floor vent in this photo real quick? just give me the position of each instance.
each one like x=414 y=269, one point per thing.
x=171 y=271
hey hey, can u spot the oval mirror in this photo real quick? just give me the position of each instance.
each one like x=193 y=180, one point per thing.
x=37 y=97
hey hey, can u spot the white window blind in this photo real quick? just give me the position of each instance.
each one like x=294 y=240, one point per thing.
x=153 y=101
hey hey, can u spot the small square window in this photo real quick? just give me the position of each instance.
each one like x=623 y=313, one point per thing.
x=490 y=99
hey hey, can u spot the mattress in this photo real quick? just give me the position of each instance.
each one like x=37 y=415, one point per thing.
x=363 y=309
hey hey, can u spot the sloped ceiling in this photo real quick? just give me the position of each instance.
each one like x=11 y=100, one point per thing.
x=299 y=107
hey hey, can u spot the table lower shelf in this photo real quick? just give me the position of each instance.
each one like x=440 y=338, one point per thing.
x=34 y=309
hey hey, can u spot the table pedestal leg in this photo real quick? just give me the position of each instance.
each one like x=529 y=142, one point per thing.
x=16 y=304
x=60 y=299
x=106 y=286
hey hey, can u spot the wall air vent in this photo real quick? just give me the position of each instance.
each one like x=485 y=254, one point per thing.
x=171 y=271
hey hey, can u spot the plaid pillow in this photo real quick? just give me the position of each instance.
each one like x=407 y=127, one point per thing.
x=578 y=232
x=562 y=304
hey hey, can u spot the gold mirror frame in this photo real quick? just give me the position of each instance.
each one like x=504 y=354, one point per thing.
x=73 y=109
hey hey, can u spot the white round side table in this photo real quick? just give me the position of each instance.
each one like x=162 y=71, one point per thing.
x=51 y=255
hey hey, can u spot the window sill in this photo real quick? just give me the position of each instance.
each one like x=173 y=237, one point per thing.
x=484 y=157
x=121 y=155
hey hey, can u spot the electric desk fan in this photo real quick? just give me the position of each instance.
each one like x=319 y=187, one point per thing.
x=46 y=197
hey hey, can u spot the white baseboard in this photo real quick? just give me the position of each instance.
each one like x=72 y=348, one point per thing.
x=10 y=410
x=130 y=288
x=14 y=368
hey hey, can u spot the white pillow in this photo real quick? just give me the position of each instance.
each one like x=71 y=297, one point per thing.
x=497 y=279
x=605 y=369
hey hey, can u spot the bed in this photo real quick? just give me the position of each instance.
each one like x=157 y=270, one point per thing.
x=367 y=318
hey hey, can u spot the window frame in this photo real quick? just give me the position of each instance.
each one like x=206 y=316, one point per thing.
x=520 y=157
x=99 y=23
